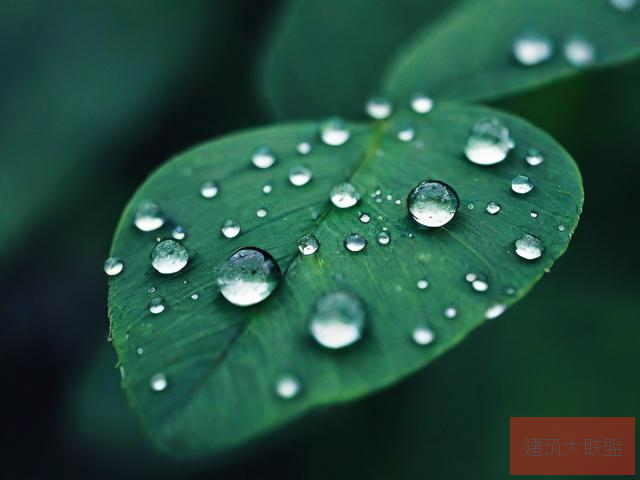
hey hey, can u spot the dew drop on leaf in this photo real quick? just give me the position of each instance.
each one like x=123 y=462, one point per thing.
x=489 y=142
x=532 y=48
x=364 y=218
x=261 y=212
x=287 y=386
x=355 y=242
x=209 y=189
x=384 y=238
x=495 y=311
x=422 y=335
x=230 y=228
x=113 y=266
x=178 y=233
x=493 y=208
x=263 y=158
x=450 y=312
x=432 y=203
x=267 y=188
x=421 y=103
x=299 y=176
x=334 y=132
x=534 y=157
x=579 y=52
x=422 y=284
x=344 y=195
x=378 y=108
x=308 y=245
x=521 y=184
x=156 y=305
x=337 y=320
x=623 y=5
x=169 y=257
x=529 y=247
x=148 y=217
x=158 y=382
x=304 y=148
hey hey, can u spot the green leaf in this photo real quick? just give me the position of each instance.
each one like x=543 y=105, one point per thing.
x=221 y=361
x=81 y=79
x=468 y=56
x=322 y=58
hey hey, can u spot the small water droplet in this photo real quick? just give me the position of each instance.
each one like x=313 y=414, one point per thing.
x=534 y=157
x=287 y=386
x=304 y=148
x=489 y=142
x=354 y=242
x=378 y=108
x=299 y=175
x=623 y=5
x=420 y=103
x=384 y=238
x=308 y=245
x=480 y=284
x=521 y=184
x=148 y=217
x=194 y=296
x=365 y=217
x=470 y=206
x=140 y=350
x=494 y=311
x=261 y=212
x=248 y=276
x=113 y=266
x=158 y=382
x=156 y=305
x=529 y=247
x=532 y=48
x=263 y=158
x=561 y=228
x=334 y=132
x=267 y=188
x=209 y=189
x=422 y=284
x=493 y=208
x=151 y=290
x=344 y=195
x=470 y=277
x=450 y=312
x=230 y=228
x=337 y=320
x=405 y=133
x=579 y=52
x=422 y=335
x=509 y=290
x=169 y=256
x=178 y=233
x=432 y=203
x=534 y=214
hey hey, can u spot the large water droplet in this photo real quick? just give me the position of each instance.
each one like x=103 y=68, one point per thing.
x=422 y=335
x=354 y=242
x=623 y=5
x=158 y=382
x=148 y=217
x=489 y=142
x=521 y=184
x=287 y=386
x=156 y=305
x=248 y=276
x=169 y=256
x=263 y=158
x=334 y=131
x=529 y=247
x=420 y=103
x=344 y=195
x=230 y=228
x=378 y=108
x=493 y=208
x=308 y=245
x=532 y=48
x=337 y=320
x=209 y=189
x=113 y=266
x=384 y=238
x=534 y=157
x=432 y=203
x=579 y=52
x=495 y=311
x=299 y=176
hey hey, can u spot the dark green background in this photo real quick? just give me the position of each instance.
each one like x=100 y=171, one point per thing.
x=570 y=348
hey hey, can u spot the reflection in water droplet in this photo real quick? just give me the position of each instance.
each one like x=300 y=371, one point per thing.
x=521 y=184
x=178 y=233
x=334 y=132
x=489 y=142
x=287 y=386
x=532 y=48
x=113 y=266
x=148 y=216
x=579 y=52
x=248 y=276
x=156 y=305
x=344 y=195
x=299 y=175
x=432 y=203
x=158 y=382
x=304 y=148
x=378 y=108
x=354 y=242
x=263 y=158
x=308 y=245
x=384 y=238
x=529 y=247
x=169 y=256
x=261 y=212
x=365 y=218
x=422 y=335
x=493 y=208
x=422 y=284
x=495 y=311
x=450 y=312
x=534 y=157
x=420 y=103
x=230 y=228
x=209 y=189
x=337 y=320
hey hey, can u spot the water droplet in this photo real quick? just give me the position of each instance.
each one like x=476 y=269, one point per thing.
x=489 y=142
x=480 y=284
x=248 y=276
x=267 y=188
x=178 y=233
x=169 y=256
x=113 y=266
x=579 y=52
x=509 y=290
x=158 y=382
x=337 y=320
x=534 y=214
x=420 y=103
x=405 y=133
x=450 y=312
x=532 y=48
x=148 y=217
x=261 y=212
x=534 y=157
x=304 y=148
x=151 y=290
x=422 y=335
x=384 y=238
x=354 y=242
x=263 y=157
x=623 y=5
x=365 y=217
x=529 y=247
x=194 y=296
x=494 y=311
x=470 y=277
x=334 y=131
x=493 y=208
x=470 y=206
x=561 y=228
x=209 y=189
x=299 y=176
x=378 y=108
x=140 y=350
x=344 y=195
x=308 y=245
x=287 y=386
x=432 y=203
x=521 y=184
x=230 y=228
x=422 y=284
x=156 y=305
